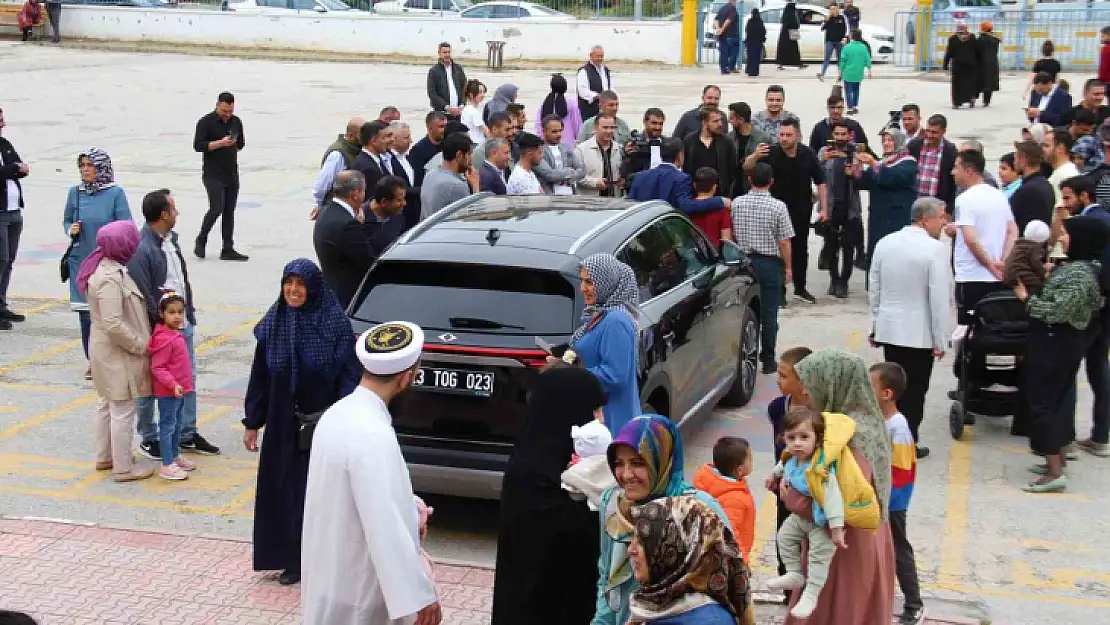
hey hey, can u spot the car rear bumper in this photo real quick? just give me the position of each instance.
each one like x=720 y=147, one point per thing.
x=456 y=481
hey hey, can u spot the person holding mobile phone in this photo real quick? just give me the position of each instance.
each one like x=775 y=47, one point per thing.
x=219 y=137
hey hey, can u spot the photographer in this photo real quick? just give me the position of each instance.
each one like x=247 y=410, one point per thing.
x=843 y=231
x=641 y=153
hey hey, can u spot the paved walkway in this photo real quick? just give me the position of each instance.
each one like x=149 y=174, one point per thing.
x=79 y=574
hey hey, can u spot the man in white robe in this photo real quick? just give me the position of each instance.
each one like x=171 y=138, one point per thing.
x=360 y=562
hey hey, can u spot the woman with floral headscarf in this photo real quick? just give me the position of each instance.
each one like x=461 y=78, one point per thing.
x=607 y=341
x=646 y=459
x=689 y=566
x=118 y=354
x=90 y=205
x=1087 y=155
x=860 y=586
x=303 y=363
x=892 y=182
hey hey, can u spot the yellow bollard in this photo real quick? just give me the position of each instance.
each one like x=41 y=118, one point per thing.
x=690 y=33
x=922 y=43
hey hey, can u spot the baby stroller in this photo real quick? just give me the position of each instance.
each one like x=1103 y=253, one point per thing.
x=989 y=362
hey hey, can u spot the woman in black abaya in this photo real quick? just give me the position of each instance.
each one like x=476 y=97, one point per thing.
x=787 y=51
x=962 y=58
x=987 y=46
x=547 y=543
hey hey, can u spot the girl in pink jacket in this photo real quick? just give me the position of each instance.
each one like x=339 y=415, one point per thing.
x=173 y=380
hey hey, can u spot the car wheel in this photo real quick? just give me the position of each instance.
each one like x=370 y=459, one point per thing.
x=747 y=363
x=956 y=417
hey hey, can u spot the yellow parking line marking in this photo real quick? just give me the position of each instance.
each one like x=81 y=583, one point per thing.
x=964 y=589
x=1056 y=579
x=46 y=354
x=29 y=459
x=9 y=408
x=224 y=337
x=44 y=307
x=213 y=414
x=854 y=341
x=954 y=536
x=18 y=428
x=121 y=501
x=34 y=296
x=1053 y=545
x=765 y=520
x=17 y=386
x=235 y=310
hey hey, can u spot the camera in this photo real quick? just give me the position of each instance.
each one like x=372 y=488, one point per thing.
x=637 y=156
x=848 y=148
x=895 y=121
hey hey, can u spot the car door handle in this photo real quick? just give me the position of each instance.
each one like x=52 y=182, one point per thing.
x=669 y=337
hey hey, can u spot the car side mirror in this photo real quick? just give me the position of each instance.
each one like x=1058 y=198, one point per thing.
x=731 y=253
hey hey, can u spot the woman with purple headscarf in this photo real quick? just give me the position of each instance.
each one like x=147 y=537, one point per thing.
x=118 y=356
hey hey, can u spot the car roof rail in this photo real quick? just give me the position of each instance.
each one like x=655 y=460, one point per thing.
x=593 y=232
x=447 y=211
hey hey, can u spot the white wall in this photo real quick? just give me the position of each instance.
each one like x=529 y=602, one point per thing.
x=373 y=34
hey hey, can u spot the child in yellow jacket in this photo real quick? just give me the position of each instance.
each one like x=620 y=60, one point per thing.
x=726 y=480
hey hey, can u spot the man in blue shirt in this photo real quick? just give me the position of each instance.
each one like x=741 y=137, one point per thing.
x=667 y=182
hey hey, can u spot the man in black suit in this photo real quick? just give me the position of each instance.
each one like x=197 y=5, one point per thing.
x=402 y=168
x=425 y=149
x=936 y=156
x=491 y=172
x=349 y=237
x=446 y=82
x=375 y=159
x=1047 y=102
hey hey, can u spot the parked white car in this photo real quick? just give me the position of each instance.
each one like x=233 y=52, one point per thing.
x=262 y=6
x=812 y=42
x=422 y=7
x=508 y=9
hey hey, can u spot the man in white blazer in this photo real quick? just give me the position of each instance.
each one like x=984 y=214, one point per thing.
x=911 y=283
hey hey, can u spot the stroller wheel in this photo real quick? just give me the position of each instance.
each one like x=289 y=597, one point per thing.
x=956 y=420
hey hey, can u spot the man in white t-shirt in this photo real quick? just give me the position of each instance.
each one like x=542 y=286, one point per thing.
x=523 y=180
x=985 y=232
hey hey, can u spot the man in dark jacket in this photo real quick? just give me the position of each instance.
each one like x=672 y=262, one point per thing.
x=1035 y=198
x=667 y=182
x=349 y=237
x=219 y=138
x=936 y=156
x=711 y=148
x=746 y=138
x=1094 y=93
x=446 y=81
x=375 y=160
x=690 y=122
x=1048 y=102
x=12 y=169
x=491 y=171
x=158 y=267
x=425 y=149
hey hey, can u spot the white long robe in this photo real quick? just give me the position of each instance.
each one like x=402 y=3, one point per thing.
x=360 y=559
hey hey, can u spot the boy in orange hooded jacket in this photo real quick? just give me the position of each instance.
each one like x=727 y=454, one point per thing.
x=725 y=480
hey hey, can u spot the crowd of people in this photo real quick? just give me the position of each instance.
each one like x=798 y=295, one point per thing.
x=334 y=505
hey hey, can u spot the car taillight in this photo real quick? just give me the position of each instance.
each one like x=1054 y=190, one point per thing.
x=528 y=357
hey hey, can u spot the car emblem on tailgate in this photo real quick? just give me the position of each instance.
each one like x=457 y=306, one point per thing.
x=448 y=338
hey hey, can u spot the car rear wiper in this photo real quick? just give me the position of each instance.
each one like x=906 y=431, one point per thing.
x=483 y=324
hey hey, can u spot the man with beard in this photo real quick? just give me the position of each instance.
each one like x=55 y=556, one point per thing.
x=711 y=148
x=451 y=181
x=769 y=120
x=1094 y=94
x=423 y=150
x=911 y=121
x=844 y=228
x=962 y=58
x=690 y=122
x=818 y=139
x=375 y=161
x=746 y=138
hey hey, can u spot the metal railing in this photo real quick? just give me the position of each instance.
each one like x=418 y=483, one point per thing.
x=922 y=37
x=708 y=53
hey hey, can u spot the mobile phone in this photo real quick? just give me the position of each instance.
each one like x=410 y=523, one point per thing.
x=555 y=351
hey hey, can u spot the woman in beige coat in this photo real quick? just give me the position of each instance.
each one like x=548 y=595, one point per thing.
x=117 y=347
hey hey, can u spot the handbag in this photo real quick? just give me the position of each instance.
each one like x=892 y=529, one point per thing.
x=306 y=427
x=63 y=267
x=794 y=34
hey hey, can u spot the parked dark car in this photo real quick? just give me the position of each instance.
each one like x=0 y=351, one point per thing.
x=489 y=274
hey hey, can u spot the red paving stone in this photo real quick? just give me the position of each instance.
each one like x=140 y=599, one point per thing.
x=66 y=574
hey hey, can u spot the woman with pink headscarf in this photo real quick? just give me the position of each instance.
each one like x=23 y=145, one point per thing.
x=118 y=341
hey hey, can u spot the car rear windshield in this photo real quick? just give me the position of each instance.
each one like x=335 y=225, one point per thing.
x=469 y=298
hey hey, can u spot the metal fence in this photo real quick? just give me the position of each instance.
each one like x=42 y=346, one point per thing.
x=707 y=42
x=922 y=37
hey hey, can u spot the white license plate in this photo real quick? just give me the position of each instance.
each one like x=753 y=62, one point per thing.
x=456 y=381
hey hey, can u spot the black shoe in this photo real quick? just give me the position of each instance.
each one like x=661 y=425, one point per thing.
x=922 y=452
x=233 y=255
x=832 y=288
x=152 y=450
x=860 y=263
x=805 y=296
x=5 y=324
x=769 y=368
x=912 y=616
x=822 y=262
x=289 y=577
x=198 y=250
x=198 y=445
x=841 y=290
x=8 y=315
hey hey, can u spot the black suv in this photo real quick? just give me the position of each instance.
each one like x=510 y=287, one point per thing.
x=487 y=275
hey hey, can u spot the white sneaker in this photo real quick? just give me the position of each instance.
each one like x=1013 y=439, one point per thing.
x=172 y=472
x=805 y=606
x=790 y=581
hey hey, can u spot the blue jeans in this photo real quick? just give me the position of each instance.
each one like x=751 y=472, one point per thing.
x=830 y=47
x=171 y=413
x=770 y=272
x=728 y=51
x=851 y=94
x=145 y=405
x=85 y=319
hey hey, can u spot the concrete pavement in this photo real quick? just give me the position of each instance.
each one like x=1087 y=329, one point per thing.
x=985 y=549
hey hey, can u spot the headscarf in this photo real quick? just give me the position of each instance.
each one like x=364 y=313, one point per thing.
x=560 y=399
x=693 y=560
x=316 y=335
x=838 y=381
x=105 y=175
x=556 y=101
x=615 y=286
x=986 y=26
x=116 y=241
x=659 y=443
x=1087 y=237
x=901 y=153
x=1091 y=150
x=502 y=98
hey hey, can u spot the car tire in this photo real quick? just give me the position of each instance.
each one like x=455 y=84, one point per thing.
x=747 y=365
